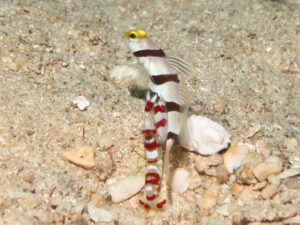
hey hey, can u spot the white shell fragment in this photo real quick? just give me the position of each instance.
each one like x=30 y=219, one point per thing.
x=203 y=135
x=180 y=182
x=81 y=102
x=122 y=73
x=125 y=188
x=98 y=214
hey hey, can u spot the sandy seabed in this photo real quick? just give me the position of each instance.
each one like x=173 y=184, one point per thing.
x=247 y=58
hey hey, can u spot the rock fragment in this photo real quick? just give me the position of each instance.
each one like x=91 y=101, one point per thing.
x=272 y=165
x=219 y=172
x=204 y=162
x=29 y=177
x=180 y=181
x=245 y=174
x=82 y=156
x=208 y=201
x=125 y=188
x=234 y=157
x=270 y=191
x=264 y=148
x=236 y=189
x=219 y=108
x=203 y=135
x=98 y=214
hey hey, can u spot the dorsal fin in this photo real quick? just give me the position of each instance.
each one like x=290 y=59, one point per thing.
x=181 y=66
x=184 y=70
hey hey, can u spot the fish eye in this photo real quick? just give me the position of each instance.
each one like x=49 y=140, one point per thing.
x=133 y=35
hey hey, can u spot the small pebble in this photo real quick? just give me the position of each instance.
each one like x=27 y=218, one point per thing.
x=236 y=189
x=253 y=158
x=245 y=174
x=272 y=165
x=98 y=200
x=99 y=215
x=234 y=157
x=81 y=102
x=269 y=191
x=29 y=177
x=219 y=172
x=219 y=108
x=259 y=186
x=207 y=201
x=264 y=148
x=203 y=163
x=81 y=156
x=180 y=181
x=125 y=188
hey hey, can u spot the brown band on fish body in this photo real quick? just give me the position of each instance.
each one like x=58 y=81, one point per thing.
x=173 y=106
x=172 y=135
x=164 y=78
x=149 y=52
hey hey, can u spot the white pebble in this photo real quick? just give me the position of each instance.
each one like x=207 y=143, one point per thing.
x=124 y=73
x=81 y=102
x=125 y=188
x=98 y=214
x=204 y=136
x=180 y=181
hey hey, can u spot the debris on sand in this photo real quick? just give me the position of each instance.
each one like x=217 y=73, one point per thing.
x=81 y=102
x=82 y=156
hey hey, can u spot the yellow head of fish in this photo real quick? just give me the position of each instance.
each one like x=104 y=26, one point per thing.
x=136 y=34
